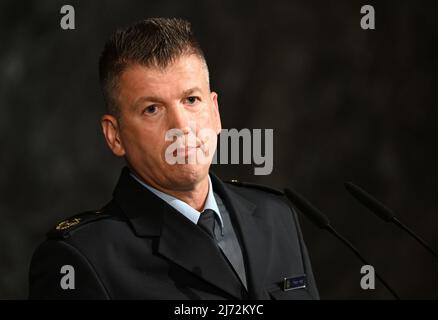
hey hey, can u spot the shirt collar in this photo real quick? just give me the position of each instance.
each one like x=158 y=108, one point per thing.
x=181 y=206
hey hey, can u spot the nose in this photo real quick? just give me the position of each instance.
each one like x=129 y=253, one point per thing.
x=179 y=120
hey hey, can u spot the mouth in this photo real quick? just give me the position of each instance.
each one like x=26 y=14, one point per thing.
x=185 y=151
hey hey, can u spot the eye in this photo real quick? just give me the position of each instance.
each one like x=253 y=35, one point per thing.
x=192 y=100
x=151 y=109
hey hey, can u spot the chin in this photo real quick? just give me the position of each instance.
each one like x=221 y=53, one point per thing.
x=185 y=176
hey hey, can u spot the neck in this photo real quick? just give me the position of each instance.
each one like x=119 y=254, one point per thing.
x=195 y=198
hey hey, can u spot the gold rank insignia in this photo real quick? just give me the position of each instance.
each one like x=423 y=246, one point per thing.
x=67 y=224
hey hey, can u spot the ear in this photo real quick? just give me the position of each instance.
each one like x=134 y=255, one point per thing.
x=217 y=116
x=111 y=131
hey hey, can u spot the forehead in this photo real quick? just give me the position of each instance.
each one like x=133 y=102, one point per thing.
x=185 y=72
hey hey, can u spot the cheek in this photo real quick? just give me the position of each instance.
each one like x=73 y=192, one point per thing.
x=208 y=137
x=145 y=140
x=207 y=118
x=214 y=116
x=154 y=142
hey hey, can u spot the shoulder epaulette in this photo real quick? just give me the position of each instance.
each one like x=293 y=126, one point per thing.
x=62 y=229
x=255 y=186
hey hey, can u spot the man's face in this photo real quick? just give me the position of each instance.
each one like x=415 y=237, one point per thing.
x=153 y=101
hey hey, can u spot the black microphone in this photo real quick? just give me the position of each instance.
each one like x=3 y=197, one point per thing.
x=383 y=212
x=322 y=221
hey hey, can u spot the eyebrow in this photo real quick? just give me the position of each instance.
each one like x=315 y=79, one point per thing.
x=185 y=93
x=140 y=100
x=191 y=91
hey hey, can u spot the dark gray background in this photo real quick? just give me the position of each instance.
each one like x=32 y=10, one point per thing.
x=344 y=103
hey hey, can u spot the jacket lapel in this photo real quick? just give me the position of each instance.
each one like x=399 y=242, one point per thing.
x=188 y=246
x=255 y=235
x=181 y=241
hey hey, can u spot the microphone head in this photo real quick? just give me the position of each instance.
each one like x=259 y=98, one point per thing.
x=314 y=215
x=370 y=202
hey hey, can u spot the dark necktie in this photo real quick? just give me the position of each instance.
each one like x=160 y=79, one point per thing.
x=228 y=244
x=206 y=222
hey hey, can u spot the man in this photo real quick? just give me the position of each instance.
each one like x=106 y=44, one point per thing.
x=172 y=230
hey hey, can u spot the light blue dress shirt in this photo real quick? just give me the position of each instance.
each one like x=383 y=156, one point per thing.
x=182 y=207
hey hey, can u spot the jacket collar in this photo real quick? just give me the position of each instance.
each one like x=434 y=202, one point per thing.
x=143 y=209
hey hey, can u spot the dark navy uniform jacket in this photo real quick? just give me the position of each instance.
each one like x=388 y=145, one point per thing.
x=138 y=247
